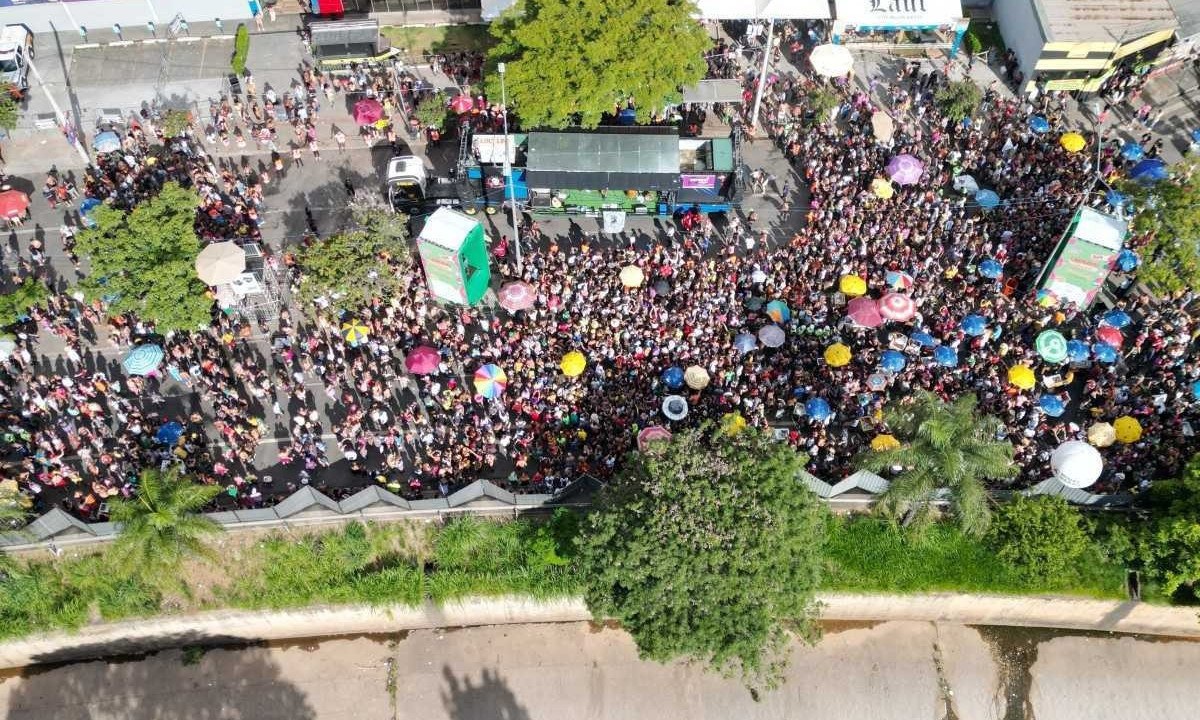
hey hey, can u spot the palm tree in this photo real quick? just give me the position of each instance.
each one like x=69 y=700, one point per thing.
x=160 y=527
x=943 y=445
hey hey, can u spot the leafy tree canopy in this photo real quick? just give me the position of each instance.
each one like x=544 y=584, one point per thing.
x=959 y=99
x=175 y=122
x=1169 y=212
x=29 y=294
x=433 y=110
x=144 y=261
x=1041 y=538
x=571 y=61
x=703 y=546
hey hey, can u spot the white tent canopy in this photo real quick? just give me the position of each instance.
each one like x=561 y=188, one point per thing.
x=763 y=9
x=714 y=91
x=1076 y=464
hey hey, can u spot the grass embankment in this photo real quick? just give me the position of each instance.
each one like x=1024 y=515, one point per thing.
x=416 y=42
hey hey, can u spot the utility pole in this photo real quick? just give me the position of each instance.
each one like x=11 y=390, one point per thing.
x=508 y=178
x=762 y=75
x=63 y=123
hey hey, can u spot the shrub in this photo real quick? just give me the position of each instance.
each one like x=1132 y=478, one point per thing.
x=1040 y=538
x=241 y=49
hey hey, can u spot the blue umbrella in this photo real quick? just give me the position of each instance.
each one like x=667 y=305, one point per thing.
x=85 y=211
x=923 y=339
x=143 y=360
x=778 y=311
x=1148 y=171
x=1052 y=405
x=818 y=409
x=945 y=356
x=744 y=342
x=1105 y=353
x=1117 y=318
x=1196 y=389
x=1127 y=260
x=1132 y=151
x=974 y=325
x=1078 y=351
x=1039 y=124
x=892 y=361
x=672 y=377
x=987 y=199
x=990 y=268
x=1116 y=199
x=106 y=142
x=169 y=434
x=1196 y=135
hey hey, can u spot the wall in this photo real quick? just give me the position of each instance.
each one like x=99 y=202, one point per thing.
x=44 y=15
x=1022 y=32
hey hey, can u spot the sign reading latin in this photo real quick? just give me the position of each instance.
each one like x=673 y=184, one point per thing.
x=898 y=13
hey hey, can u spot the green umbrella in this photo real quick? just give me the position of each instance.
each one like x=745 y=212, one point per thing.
x=1052 y=346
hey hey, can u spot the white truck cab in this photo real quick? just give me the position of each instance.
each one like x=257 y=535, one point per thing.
x=16 y=51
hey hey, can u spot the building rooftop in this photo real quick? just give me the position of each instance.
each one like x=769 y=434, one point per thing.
x=1103 y=20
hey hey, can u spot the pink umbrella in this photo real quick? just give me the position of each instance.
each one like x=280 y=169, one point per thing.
x=517 y=296
x=461 y=104
x=1111 y=335
x=367 y=111
x=864 y=312
x=422 y=360
x=651 y=434
x=895 y=306
x=905 y=170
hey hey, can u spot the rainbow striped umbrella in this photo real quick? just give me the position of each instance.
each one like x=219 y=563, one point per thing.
x=490 y=381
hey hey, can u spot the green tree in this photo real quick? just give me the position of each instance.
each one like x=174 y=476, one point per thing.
x=29 y=294
x=571 y=61
x=371 y=259
x=13 y=510
x=943 y=445
x=160 y=525
x=144 y=261
x=9 y=109
x=1168 y=212
x=1166 y=547
x=959 y=99
x=241 y=50
x=705 y=547
x=175 y=122
x=433 y=110
x=1041 y=538
x=821 y=103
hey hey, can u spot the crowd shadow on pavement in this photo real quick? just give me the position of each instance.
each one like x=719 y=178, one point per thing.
x=488 y=699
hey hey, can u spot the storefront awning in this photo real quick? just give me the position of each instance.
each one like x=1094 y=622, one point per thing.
x=865 y=14
x=714 y=91
x=763 y=9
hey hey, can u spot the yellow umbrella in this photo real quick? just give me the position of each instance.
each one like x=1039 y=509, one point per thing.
x=852 y=286
x=837 y=355
x=733 y=423
x=1072 y=142
x=696 y=377
x=884 y=442
x=632 y=276
x=573 y=363
x=1022 y=376
x=355 y=332
x=1102 y=434
x=1128 y=429
x=882 y=188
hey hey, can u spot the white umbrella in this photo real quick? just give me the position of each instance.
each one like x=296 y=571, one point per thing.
x=220 y=263
x=1076 y=464
x=831 y=60
x=966 y=184
x=7 y=348
x=883 y=126
x=675 y=407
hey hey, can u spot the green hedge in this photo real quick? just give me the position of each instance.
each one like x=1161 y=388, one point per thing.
x=241 y=49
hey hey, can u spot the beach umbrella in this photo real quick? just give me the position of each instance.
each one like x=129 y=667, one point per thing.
x=1127 y=260
x=987 y=199
x=1039 y=124
x=1051 y=346
x=1072 y=142
x=1196 y=135
x=367 y=111
x=837 y=355
x=490 y=381
x=632 y=276
x=675 y=407
x=898 y=280
x=106 y=142
x=966 y=184
x=991 y=269
x=13 y=204
x=884 y=442
x=1132 y=151
x=654 y=433
x=1111 y=335
x=1076 y=464
x=1127 y=429
x=892 y=361
x=882 y=188
x=1106 y=353
x=923 y=339
x=1115 y=199
x=831 y=60
x=143 y=360
x=573 y=364
x=905 y=169
x=876 y=382
x=1052 y=405
x=422 y=360
x=696 y=377
x=220 y=263
x=515 y=296
x=1102 y=434
x=672 y=377
x=733 y=423
x=1116 y=318
x=1149 y=170
x=818 y=409
x=355 y=332
x=974 y=325
x=85 y=211
x=1078 y=351
x=1045 y=298
x=778 y=311
x=945 y=356
x=852 y=286
x=169 y=434
x=462 y=104
x=864 y=312
x=1022 y=377
x=895 y=306
x=882 y=126
x=1195 y=389
x=771 y=335
x=745 y=342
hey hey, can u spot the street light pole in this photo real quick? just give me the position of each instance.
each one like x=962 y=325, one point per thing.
x=762 y=75
x=508 y=178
